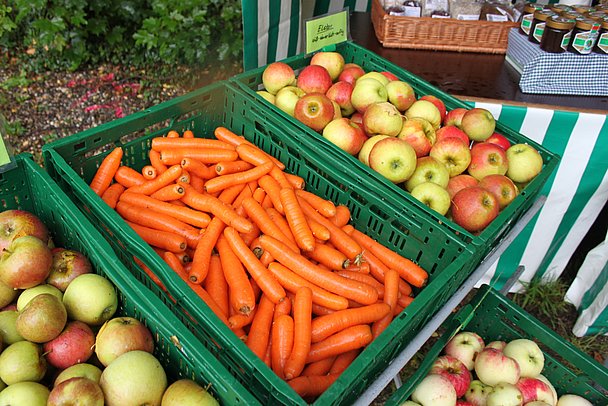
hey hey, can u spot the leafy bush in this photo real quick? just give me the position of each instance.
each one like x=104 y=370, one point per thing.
x=70 y=33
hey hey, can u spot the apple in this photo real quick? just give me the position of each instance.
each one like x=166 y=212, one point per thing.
x=86 y=391
x=478 y=123
x=67 y=265
x=337 y=111
x=366 y=92
x=84 y=370
x=135 y=378
x=473 y=208
x=428 y=169
x=340 y=92
x=400 y=94
x=315 y=110
x=120 y=335
x=434 y=390
x=73 y=346
x=459 y=182
x=497 y=344
x=477 y=393
x=351 y=73
x=25 y=263
x=18 y=223
x=503 y=188
x=573 y=400
x=8 y=327
x=186 y=392
x=454 y=117
x=528 y=355
x=7 y=294
x=419 y=133
x=382 y=118
x=345 y=134
x=425 y=109
x=524 y=163
x=533 y=389
x=453 y=153
x=390 y=76
x=22 y=361
x=451 y=131
x=393 y=158
x=550 y=385
x=25 y=393
x=493 y=367
x=463 y=403
x=433 y=196
x=465 y=346
x=505 y=394
x=42 y=319
x=487 y=159
x=438 y=103
x=363 y=155
x=269 y=97
x=314 y=79
x=357 y=118
x=499 y=140
x=276 y=76
x=333 y=62
x=287 y=97
x=375 y=75
x=90 y=298
x=29 y=293
x=455 y=370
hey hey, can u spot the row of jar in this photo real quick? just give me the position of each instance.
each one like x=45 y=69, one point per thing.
x=560 y=28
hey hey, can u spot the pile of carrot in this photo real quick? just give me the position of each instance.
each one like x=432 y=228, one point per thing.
x=282 y=267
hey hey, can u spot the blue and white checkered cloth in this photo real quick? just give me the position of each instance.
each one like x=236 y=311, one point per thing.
x=564 y=73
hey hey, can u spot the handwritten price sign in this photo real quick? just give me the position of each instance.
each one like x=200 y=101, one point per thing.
x=326 y=30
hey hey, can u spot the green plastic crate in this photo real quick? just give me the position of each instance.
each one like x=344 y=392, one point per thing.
x=251 y=81
x=494 y=317
x=28 y=187
x=72 y=161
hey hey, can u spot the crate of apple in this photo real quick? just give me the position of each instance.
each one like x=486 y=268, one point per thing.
x=454 y=162
x=471 y=372
x=62 y=340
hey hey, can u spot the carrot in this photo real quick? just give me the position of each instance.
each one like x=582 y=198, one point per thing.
x=391 y=294
x=302 y=316
x=155 y=161
x=222 y=133
x=242 y=297
x=128 y=177
x=292 y=282
x=188 y=134
x=198 y=168
x=112 y=194
x=228 y=167
x=151 y=186
x=185 y=214
x=362 y=267
x=319 y=310
x=215 y=284
x=363 y=294
x=328 y=256
x=173 y=261
x=262 y=219
x=162 y=239
x=149 y=172
x=281 y=343
x=342 y=216
x=167 y=193
x=319 y=231
x=184 y=177
x=269 y=285
x=346 y=340
x=338 y=237
x=197 y=183
x=259 y=333
x=174 y=156
x=325 y=207
x=210 y=204
x=239 y=320
x=247 y=191
x=408 y=270
x=272 y=189
x=229 y=194
x=106 y=171
x=296 y=181
x=221 y=182
x=378 y=269
x=312 y=385
x=296 y=220
x=320 y=367
x=150 y=274
x=363 y=278
x=163 y=143
x=325 y=326
x=281 y=222
x=343 y=361
x=282 y=308
x=403 y=302
x=202 y=253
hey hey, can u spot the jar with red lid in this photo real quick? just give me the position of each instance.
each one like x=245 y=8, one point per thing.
x=538 y=24
x=556 y=35
x=584 y=36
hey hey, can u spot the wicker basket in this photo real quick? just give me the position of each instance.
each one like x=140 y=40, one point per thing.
x=440 y=34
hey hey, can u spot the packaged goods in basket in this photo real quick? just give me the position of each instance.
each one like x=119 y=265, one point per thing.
x=83 y=329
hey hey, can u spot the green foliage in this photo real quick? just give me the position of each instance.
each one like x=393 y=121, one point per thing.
x=66 y=34
x=546 y=298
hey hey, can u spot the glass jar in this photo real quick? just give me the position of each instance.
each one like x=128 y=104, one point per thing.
x=573 y=15
x=584 y=35
x=527 y=17
x=583 y=9
x=538 y=25
x=560 y=8
x=597 y=15
x=601 y=45
x=556 y=35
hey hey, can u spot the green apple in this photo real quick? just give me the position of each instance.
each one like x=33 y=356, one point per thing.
x=433 y=196
x=478 y=124
x=454 y=154
x=276 y=76
x=367 y=147
x=376 y=75
x=419 y=133
x=428 y=169
x=382 y=118
x=524 y=163
x=394 y=159
x=425 y=109
x=366 y=92
x=287 y=97
x=400 y=94
x=266 y=95
x=28 y=294
x=332 y=61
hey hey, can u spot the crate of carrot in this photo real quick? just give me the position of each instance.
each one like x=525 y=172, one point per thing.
x=300 y=279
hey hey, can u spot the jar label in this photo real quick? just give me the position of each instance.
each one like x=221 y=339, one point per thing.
x=538 y=31
x=602 y=43
x=526 y=23
x=566 y=40
x=583 y=42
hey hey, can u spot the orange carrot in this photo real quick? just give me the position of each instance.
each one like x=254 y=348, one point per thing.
x=319 y=310
x=222 y=133
x=106 y=171
x=272 y=189
x=156 y=162
x=202 y=253
x=320 y=367
x=150 y=274
x=259 y=334
x=242 y=297
x=296 y=220
x=282 y=308
x=325 y=326
x=346 y=340
x=325 y=207
x=173 y=261
x=198 y=168
x=302 y=316
x=174 y=156
x=221 y=182
x=185 y=214
x=149 y=172
x=151 y=186
x=239 y=320
x=343 y=361
x=162 y=239
x=363 y=278
x=170 y=192
x=280 y=221
x=128 y=177
x=247 y=191
x=197 y=183
x=282 y=343
x=184 y=177
x=163 y=143
x=403 y=302
x=112 y=194
x=228 y=167
x=296 y=181
x=188 y=134
x=216 y=285
x=328 y=256
x=342 y=216
x=262 y=219
x=311 y=386
x=391 y=294
x=362 y=267
x=229 y=194
x=319 y=231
